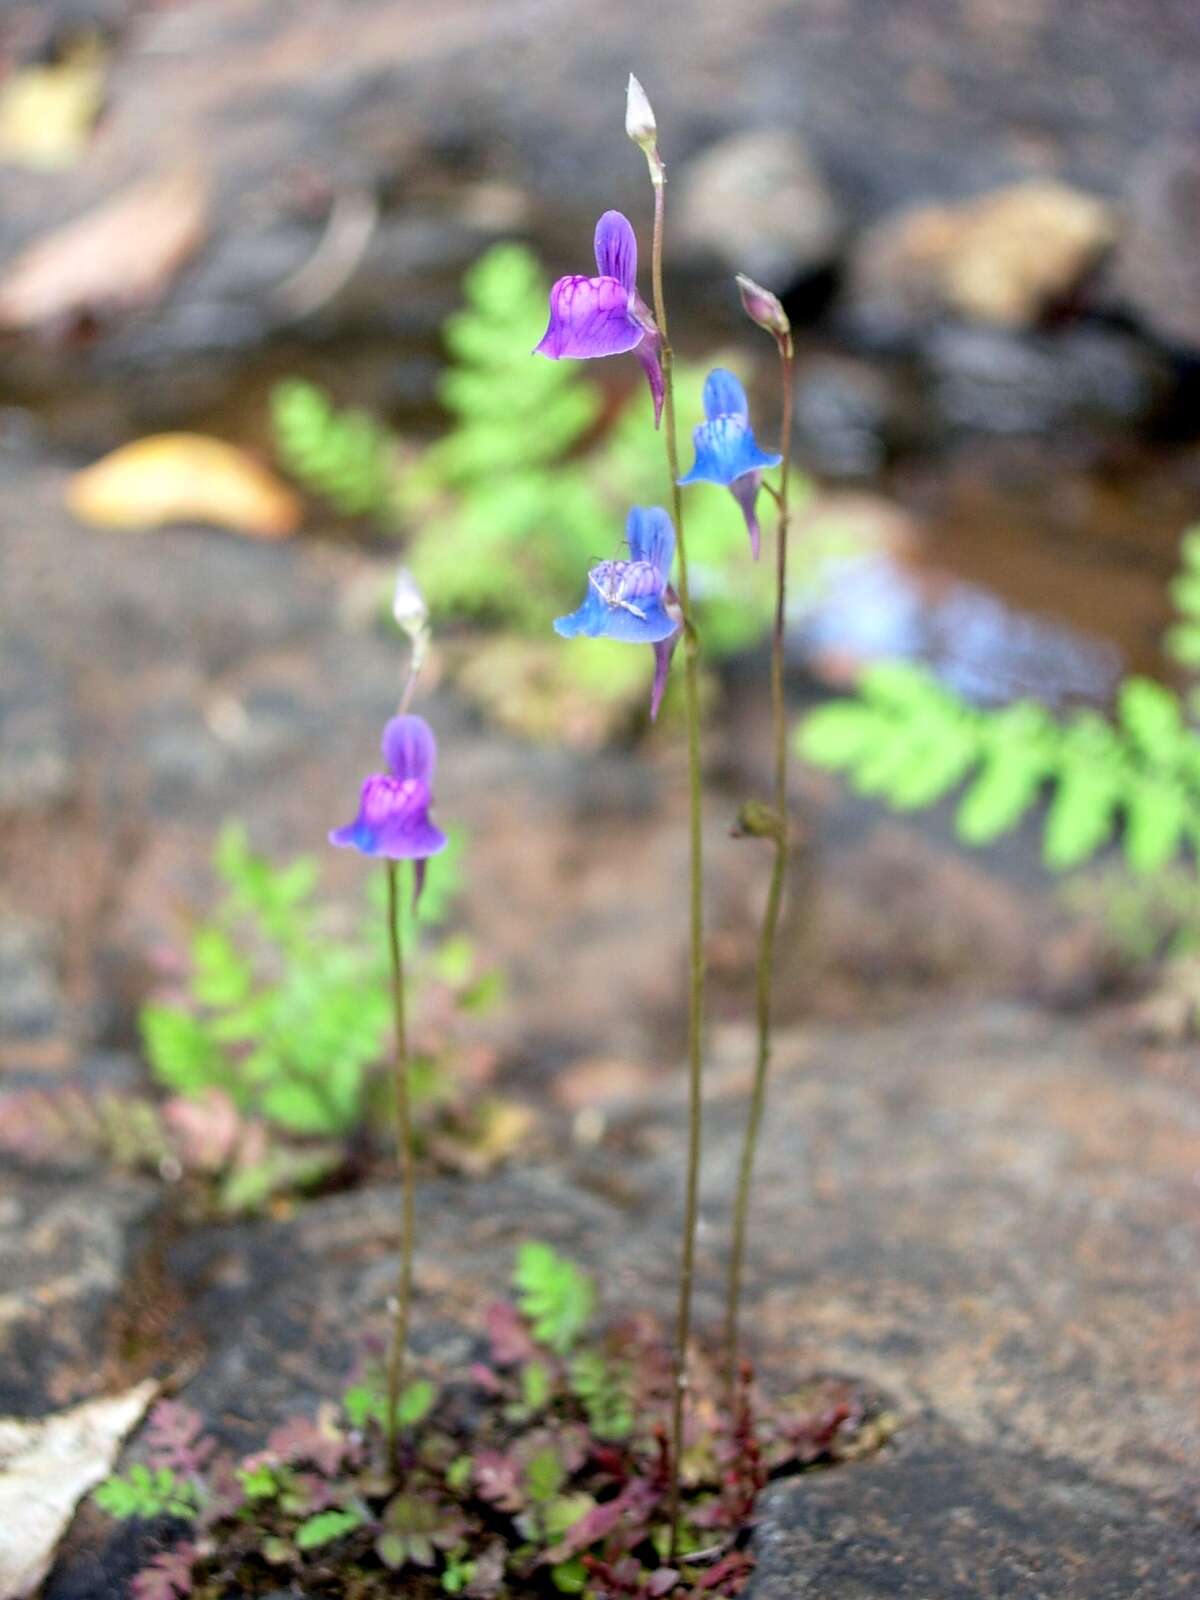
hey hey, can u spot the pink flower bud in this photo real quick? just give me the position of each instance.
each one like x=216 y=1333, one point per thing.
x=764 y=308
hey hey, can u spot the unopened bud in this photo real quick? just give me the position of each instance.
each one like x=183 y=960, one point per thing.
x=757 y=821
x=639 y=117
x=408 y=604
x=764 y=308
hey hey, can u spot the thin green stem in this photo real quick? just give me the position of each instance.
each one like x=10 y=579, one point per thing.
x=691 y=687
x=766 y=949
x=404 y=1156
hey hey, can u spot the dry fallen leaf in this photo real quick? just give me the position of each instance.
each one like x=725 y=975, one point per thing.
x=184 y=477
x=47 y=112
x=47 y=1465
x=121 y=254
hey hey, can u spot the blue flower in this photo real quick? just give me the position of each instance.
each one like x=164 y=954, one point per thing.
x=631 y=600
x=726 y=449
x=393 y=811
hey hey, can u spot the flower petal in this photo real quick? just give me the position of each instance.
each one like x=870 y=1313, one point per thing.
x=724 y=395
x=596 y=619
x=725 y=449
x=409 y=748
x=650 y=534
x=616 y=249
x=392 y=821
x=589 y=317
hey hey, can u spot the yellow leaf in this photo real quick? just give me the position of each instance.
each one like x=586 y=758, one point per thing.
x=184 y=477
x=47 y=113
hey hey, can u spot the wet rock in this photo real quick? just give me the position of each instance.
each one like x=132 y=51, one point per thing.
x=935 y=1518
x=37 y=767
x=848 y=416
x=1156 y=268
x=756 y=202
x=984 y=380
x=33 y=1014
x=1002 y=259
x=66 y=1251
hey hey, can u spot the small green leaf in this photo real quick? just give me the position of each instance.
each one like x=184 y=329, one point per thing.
x=325 y=1527
x=544 y=1476
x=415 y=1403
x=570 y=1577
x=181 y=1054
x=553 y=1295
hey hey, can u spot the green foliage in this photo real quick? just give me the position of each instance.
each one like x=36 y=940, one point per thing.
x=325 y=1527
x=603 y=1388
x=1183 y=640
x=530 y=483
x=910 y=741
x=146 y=1492
x=284 y=1016
x=554 y=1296
x=344 y=457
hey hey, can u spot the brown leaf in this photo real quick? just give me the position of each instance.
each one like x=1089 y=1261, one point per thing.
x=122 y=254
x=184 y=477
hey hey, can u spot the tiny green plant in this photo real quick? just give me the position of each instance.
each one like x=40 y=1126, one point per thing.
x=286 y=1018
x=496 y=1496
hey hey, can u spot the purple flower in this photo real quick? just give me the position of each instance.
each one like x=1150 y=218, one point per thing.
x=605 y=315
x=393 y=811
x=726 y=449
x=633 y=600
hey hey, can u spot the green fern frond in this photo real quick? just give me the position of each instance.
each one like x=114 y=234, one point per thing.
x=909 y=741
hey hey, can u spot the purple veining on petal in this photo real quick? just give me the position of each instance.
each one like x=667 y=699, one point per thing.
x=409 y=748
x=745 y=491
x=589 y=317
x=650 y=535
x=724 y=395
x=616 y=250
x=392 y=821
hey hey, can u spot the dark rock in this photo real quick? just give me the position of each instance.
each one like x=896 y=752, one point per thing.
x=848 y=416
x=1156 y=269
x=37 y=757
x=985 y=380
x=34 y=1010
x=67 y=1249
x=936 y=1518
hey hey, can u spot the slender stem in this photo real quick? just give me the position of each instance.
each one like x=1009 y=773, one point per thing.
x=691 y=685
x=404 y=1157
x=770 y=925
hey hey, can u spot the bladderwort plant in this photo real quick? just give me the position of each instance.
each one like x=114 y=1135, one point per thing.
x=393 y=823
x=633 y=600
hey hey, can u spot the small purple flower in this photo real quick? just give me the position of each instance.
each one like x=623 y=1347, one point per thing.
x=393 y=811
x=605 y=315
x=632 y=600
x=726 y=449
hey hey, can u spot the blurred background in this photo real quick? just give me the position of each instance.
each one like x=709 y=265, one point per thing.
x=269 y=277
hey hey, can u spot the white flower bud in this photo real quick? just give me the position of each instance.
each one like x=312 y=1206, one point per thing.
x=639 y=116
x=408 y=605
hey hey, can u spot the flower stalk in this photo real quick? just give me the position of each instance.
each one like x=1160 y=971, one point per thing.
x=691 y=689
x=398 y=1351
x=766 y=310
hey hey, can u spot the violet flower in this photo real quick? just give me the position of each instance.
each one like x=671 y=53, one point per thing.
x=393 y=811
x=605 y=315
x=726 y=449
x=632 y=600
